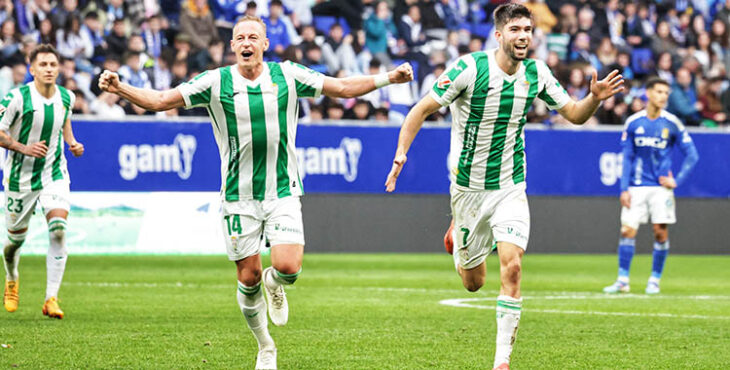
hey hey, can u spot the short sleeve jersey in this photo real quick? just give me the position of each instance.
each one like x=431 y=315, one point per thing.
x=29 y=118
x=255 y=125
x=648 y=143
x=489 y=110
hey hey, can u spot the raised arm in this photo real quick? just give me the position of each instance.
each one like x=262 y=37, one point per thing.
x=414 y=121
x=148 y=99
x=350 y=87
x=579 y=112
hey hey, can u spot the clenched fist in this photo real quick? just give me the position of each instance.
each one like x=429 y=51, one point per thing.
x=109 y=82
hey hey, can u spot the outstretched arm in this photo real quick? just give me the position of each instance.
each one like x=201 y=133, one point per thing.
x=350 y=87
x=148 y=99
x=414 y=121
x=579 y=112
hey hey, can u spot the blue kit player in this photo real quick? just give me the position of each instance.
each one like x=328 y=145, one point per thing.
x=647 y=184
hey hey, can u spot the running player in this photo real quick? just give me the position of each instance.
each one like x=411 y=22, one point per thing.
x=647 y=184
x=253 y=107
x=489 y=94
x=35 y=117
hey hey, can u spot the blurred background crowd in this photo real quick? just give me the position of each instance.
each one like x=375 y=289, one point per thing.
x=162 y=43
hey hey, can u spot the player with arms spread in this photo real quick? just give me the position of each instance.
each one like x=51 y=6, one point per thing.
x=647 y=184
x=489 y=94
x=35 y=116
x=253 y=107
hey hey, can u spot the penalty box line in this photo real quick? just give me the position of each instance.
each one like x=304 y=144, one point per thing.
x=467 y=303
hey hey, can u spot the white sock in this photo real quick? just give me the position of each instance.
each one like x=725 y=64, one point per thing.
x=56 y=257
x=455 y=251
x=11 y=255
x=508 y=320
x=273 y=279
x=253 y=306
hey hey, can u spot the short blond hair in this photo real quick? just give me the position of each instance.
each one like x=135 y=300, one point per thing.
x=251 y=18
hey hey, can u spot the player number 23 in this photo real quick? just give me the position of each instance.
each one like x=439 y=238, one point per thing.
x=18 y=205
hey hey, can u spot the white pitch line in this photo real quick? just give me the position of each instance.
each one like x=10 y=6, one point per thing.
x=462 y=302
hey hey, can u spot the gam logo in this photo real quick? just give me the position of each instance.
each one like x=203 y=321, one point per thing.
x=611 y=165
x=342 y=160
x=177 y=158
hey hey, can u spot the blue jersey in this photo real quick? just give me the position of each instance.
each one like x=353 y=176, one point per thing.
x=647 y=148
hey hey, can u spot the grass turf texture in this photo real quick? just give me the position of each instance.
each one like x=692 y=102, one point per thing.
x=370 y=312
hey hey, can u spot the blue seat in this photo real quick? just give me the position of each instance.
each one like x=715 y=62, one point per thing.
x=481 y=29
x=400 y=108
x=642 y=61
x=323 y=23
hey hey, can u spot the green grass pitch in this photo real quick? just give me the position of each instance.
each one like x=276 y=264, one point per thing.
x=365 y=311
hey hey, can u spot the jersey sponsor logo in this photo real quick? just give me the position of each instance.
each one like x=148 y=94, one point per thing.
x=444 y=82
x=665 y=133
x=340 y=161
x=160 y=158
x=653 y=142
x=610 y=164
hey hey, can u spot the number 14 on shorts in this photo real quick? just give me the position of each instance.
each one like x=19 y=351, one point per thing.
x=234 y=224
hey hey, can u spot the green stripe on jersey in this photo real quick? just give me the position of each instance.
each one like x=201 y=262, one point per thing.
x=282 y=158
x=499 y=134
x=202 y=97
x=476 y=111
x=304 y=90
x=518 y=159
x=39 y=163
x=229 y=109
x=258 y=141
x=453 y=73
x=27 y=124
x=546 y=97
x=66 y=99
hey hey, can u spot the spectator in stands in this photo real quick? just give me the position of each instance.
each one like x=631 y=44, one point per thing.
x=106 y=105
x=61 y=14
x=634 y=30
x=338 y=53
x=720 y=37
x=377 y=98
x=558 y=41
x=117 y=39
x=586 y=24
x=662 y=41
x=411 y=30
x=46 y=33
x=381 y=115
x=713 y=112
x=182 y=47
x=313 y=58
x=92 y=35
x=276 y=31
x=361 y=110
x=544 y=18
x=153 y=36
x=724 y=13
x=196 y=21
x=379 y=27
x=70 y=44
x=605 y=55
x=335 y=110
x=6 y=10
x=9 y=39
x=581 y=52
x=476 y=43
x=160 y=74
x=12 y=76
x=179 y=72
x=702 y=51
x=612 y=111
x=697 y=27
x=683 y=98
x=81 y=106
x=577 y=86
x=430 y=79
x=664 y=67
x=209 y=58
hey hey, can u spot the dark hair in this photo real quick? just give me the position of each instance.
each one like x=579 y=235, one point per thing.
x=276 y=3
x=506 y=12
x=656 y=81
x=41 y=49
x=92 y=15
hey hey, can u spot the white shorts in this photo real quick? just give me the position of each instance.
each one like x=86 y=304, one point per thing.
x=248 y=224
x=656 y=201
x=482 y=218
x=19 y=206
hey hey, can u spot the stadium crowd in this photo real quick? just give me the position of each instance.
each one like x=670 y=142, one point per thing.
x=164 y=43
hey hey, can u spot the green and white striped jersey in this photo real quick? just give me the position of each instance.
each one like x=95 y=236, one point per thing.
x=489 y=109
x=30 y=118
x=255 y=125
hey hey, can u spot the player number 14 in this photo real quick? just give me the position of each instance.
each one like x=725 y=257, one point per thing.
x=234 y=224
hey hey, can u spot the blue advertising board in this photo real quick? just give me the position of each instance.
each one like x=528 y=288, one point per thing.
x=175 y=156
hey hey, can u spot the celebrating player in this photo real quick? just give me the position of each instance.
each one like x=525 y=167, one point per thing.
x=253 y=106
x=489 y=94
x=35 y=117
x=647 y=184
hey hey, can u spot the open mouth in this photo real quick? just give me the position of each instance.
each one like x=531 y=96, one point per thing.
x=247 y=54
x=520 y=47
